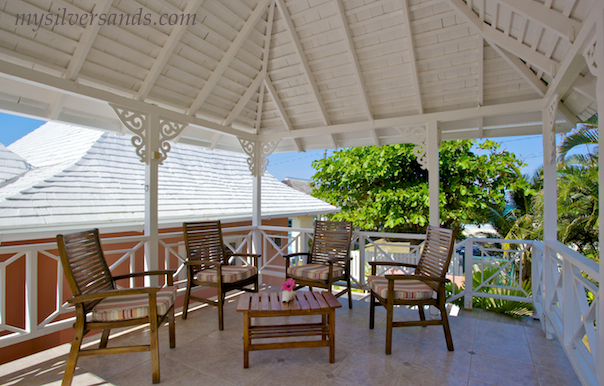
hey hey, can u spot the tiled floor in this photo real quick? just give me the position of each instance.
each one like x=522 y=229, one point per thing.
x=489 y=350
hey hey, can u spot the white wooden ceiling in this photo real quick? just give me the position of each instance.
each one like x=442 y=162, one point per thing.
x=312 y=74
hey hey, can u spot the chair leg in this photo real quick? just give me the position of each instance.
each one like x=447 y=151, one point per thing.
x=389 y=320
x=185 y=307
x=104 y=338
x=422 y=315
x=371 y=311
x=154 y=350
x=172 y=328
x=220 y=304
x=72 y=359
x=445 y=320
x=256 y=288
x=349 y=294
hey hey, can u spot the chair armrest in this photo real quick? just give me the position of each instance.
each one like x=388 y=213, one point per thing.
x=168 y=272
x=200 y=262
x=254 y=256
x=418 y=277
x=287 y=257
x=374 y=265
x=113 y=293
x=296 y=254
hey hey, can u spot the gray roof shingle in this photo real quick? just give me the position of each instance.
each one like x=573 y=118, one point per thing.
x=83 y=176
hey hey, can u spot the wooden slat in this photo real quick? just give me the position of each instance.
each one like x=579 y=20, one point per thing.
x=244 y=302
x=254 y=304
x=302 y=300
x=264 y=298
x=312 y=302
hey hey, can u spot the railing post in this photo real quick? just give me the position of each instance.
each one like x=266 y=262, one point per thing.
x=468 y=267
x=31 y=295
x=568 y=306
x=361 y=263
x=549 y=286
x=536 y=268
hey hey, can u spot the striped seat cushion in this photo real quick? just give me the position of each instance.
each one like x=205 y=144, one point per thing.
x=230 y=274
x=132 y=306
x=314 y=271
x=403 y=289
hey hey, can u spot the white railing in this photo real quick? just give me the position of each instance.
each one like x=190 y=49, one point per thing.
x=564 y=287
x=567 y=294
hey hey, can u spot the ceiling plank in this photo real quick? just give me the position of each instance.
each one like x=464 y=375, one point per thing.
x=85 y=43
x=166 y=51
x=244 y=99
x=354 y=59
x=510 y=44
x=289 y=26
x=546 y=17
x=407 y=26
x=520 y=67
x=277 y=100
x=228 y=56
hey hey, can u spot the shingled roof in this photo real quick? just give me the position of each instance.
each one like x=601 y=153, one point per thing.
x=83 y=176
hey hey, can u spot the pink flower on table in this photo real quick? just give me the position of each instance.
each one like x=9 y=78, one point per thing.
x=288 y=285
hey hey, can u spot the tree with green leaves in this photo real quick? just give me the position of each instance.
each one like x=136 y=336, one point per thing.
x=385 y=189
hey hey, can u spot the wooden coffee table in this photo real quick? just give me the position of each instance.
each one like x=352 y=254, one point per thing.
x=268 y=304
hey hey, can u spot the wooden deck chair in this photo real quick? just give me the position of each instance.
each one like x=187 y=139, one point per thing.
x=416 y=289
x=208 y=265
x=96 y=295
x=328 y=260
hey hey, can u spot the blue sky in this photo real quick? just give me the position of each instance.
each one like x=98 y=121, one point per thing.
x=295 y=165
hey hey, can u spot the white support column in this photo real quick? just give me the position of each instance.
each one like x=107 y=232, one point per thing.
x=151 y=136
x=257 y=161
x=594 y=56
x=152 y=141
x=550 y=212
x=432 y=143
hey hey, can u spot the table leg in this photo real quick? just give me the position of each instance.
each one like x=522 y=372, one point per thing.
x=325 y=324
x=246 y=340
x=332 y=335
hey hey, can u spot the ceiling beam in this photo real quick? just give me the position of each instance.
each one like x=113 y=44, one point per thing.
x=414 y=74
x=85 y=43
x=510 y=44
x=568 y=115
x=215 y=140
x=273 y=93
x=521 y=68
x=334 y=141
x=480 y=71
x=161 y=60
x=354 y=59
x=376 y=139
x=267 y=46
x=228 y=56
x=554 y=21
x=289 y=26
x=442 y=116
x=299 y=146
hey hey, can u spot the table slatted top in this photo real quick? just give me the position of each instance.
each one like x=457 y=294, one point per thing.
x=303 y=301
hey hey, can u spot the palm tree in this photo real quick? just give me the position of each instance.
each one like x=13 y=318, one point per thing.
x=586 y=135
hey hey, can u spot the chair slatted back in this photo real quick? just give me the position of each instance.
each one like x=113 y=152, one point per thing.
x=331 y=239
x=436 y=255
x=203 y=240
x=84 y=264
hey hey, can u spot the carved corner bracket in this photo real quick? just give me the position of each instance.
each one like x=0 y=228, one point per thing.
x=138 y=123
x=418 y=136
x=257 y=152
x=591 y=56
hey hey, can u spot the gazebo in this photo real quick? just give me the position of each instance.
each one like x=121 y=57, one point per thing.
x=264 y=76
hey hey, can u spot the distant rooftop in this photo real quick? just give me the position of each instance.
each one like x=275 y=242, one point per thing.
x=300 y=185
x=83 y=176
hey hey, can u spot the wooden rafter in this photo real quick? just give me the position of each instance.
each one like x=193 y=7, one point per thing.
x=228 y=56
x=493 y=36
x=520 y=67
x=85 y=43
x=161 y=60
x=289 y=26
x=277 y=100
x=251 y=90
x=414 y=74
x=354 y=58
